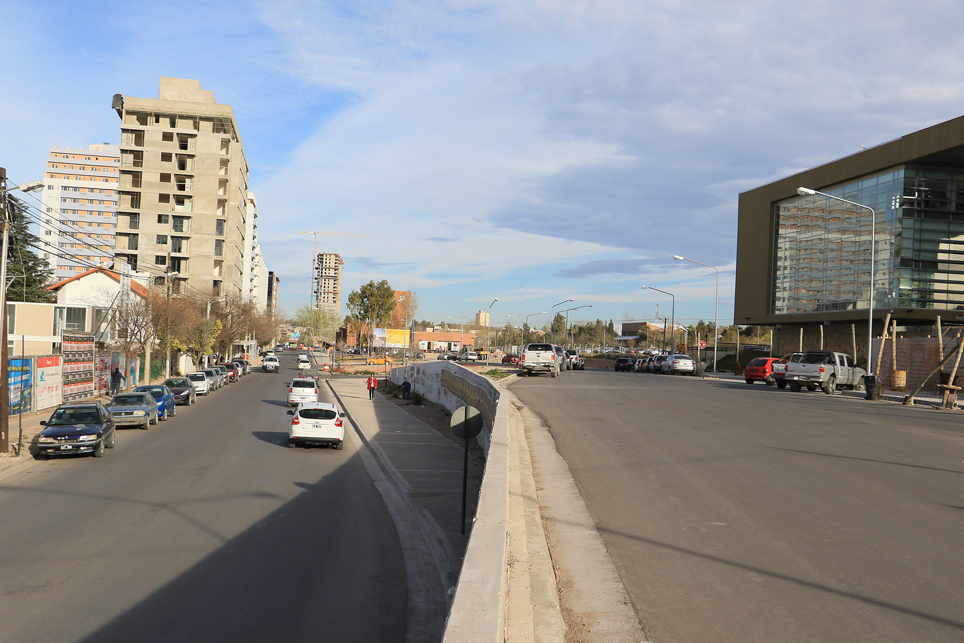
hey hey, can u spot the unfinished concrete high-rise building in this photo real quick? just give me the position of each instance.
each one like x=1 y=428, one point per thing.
x=183 y=189
x=328 y=281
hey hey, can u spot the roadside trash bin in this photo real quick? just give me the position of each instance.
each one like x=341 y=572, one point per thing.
x=873 y=388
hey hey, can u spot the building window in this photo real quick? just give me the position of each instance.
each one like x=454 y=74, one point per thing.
x=219 y=227
x=163 y=218
x=160 y=260
x=178 y=244
x=162 y=239
x=135 y=221
x=218 y=247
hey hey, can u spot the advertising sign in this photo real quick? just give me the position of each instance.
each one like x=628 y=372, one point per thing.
x=78 y=353
x=19 y=385
x=396 y=338
x=379 y=338
x=50 y=390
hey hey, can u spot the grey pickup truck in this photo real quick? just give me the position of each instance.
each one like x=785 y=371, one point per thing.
x=541 y=358
x=825 y=369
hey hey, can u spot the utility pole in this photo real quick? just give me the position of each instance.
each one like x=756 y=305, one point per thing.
x=4 y=378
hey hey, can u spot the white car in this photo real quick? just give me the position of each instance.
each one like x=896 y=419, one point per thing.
x=302 y=389
x=200 y=381
x=316 y=424
x=678 y=364
x=303 y=364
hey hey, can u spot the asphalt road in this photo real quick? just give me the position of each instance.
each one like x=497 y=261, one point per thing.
x=749 y=514
x=204 y=528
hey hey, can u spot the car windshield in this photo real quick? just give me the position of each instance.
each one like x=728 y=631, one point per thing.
x=196 y=377
x=317 y=414
x=156 y=392
x=74 y=416
x=178 y=383
x=303 y=384
x=128 y=400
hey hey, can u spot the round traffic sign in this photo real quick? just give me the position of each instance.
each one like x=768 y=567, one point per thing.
x=466 y=422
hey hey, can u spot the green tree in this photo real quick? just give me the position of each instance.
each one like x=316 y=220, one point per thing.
x=321 y=324
x=372 y=305
x=27 y=273
x=558 y=328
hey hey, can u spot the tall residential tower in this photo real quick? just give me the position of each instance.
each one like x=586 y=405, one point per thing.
x=183 y=189
x=79 y=209
x=328 y=281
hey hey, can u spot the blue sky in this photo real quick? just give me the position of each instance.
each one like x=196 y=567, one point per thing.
x=530 y=150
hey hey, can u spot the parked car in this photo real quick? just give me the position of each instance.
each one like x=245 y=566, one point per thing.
x=133 y=409
x=225 y=374
x=316 y=424
x=201 y=382
x=640 y=365
x=678 y=364
x=780 y=368
x=760 y=369
x=656 y=366
x=231 y=370
x=469 y=356
x=562 y=358
x=270 y=365
x=623 y=364
x=214 y=377
x=578 y=363
x=420 y=355
x=379 y=360
x=242 y=369
x=447 y=356
x=164 y=398
x=183 y=390
x=827 y=370
x=510 y=359
x=77 y=428
x=302 y=389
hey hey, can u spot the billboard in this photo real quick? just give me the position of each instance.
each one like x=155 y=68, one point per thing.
x=50 y=390
x=19 y=386
x=396 y=338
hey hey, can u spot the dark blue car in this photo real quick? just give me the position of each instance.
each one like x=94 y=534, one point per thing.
x=164 y=397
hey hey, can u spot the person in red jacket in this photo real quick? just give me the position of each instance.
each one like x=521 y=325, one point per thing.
x=372 y=385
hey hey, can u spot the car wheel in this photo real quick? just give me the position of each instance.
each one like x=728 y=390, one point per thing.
x=291 y=445
x=830 y=387
x=781 y=384
x=770 y=381
x=340 y=445
x=111 y=440
x=749 y=381
x=794 y=387
x=153 y=420
x=163 y=418
x=860 y=385
x=99 y=453
x=147 y=424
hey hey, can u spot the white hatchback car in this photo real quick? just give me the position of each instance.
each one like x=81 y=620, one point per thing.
x=302 y=389
x=303 y=364
x=200 y=381
x=316 y=424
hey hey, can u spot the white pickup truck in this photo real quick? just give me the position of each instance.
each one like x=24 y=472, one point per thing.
x=780 y=368
x=825 y=369
x=540 y=358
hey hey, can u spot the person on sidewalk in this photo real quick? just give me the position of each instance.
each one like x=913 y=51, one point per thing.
x=115 y=379
x=372 y=385
x=406 y=390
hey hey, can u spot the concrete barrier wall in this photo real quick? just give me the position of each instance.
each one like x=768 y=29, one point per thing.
x=479 y=607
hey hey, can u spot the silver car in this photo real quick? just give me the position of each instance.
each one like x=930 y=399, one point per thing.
x=214 y=377
x=676 y=364
x=133 y=409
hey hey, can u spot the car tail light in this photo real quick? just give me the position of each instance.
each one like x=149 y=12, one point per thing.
x=295 y=420
x=316 y=391
x=821 y=370
x=338 y=423
x=291 y=390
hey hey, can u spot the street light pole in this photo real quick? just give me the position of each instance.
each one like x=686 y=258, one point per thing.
x=567 y=316
x=716 y=315
x=527 y=325
x=873 y=259
x=488 y=323
x=672 y=317
x=551 y=319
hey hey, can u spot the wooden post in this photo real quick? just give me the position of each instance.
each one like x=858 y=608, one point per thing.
x=853 y=338
x=950 y=382
x=821 y=336
x=883 y=340
x=801 y=339
x=893 y=347
x=909 y=400
x=940 y=336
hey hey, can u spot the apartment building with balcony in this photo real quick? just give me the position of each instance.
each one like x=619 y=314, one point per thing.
x=328 y=267
x=183 y=189
x=79 y=209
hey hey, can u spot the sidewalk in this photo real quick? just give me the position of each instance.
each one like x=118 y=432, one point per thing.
x=423 y=465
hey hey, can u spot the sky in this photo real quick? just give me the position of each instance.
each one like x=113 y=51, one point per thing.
x=533 y=151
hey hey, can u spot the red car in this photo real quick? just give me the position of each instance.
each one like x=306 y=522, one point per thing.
x=510 y=359
x=232 y=371
x=761 y=369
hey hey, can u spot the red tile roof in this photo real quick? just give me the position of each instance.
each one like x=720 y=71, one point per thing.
x=135 y=287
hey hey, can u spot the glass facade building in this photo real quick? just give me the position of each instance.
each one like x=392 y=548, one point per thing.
x=822 y=246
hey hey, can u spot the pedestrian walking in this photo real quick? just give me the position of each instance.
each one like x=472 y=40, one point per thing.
x=372 y=385
x=115 y=379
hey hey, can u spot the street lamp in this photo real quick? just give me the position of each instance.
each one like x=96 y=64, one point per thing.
x=4 y=389
x=401 y=299
x=672 y=317
x=551 y=319
x=488 y=322
x=716 y=315
x=873 y=256
x=527 y=325
x=567 y=316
